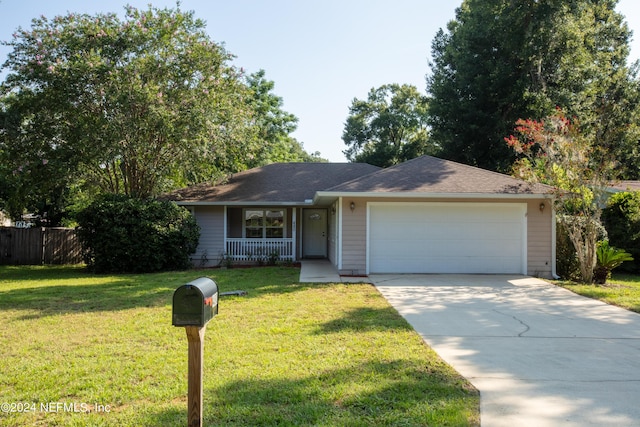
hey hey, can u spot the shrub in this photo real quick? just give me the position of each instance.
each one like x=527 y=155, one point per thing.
x=621 y=218
x=608 y=258
x=122 y=234
x=273 y=257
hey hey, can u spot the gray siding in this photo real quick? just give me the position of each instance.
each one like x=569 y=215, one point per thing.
x=211 y=245
x=354 y=237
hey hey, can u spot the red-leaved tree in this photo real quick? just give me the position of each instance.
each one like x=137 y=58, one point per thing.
x=556 y=152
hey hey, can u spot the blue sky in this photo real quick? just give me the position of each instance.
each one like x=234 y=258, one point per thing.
x=320 y=54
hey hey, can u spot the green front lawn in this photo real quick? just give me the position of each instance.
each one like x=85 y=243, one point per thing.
x=78 y=349
x=622 y=290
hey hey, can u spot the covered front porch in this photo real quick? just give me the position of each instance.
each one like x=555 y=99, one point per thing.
x=260 y=234
x=252 y=234
x=263 y=234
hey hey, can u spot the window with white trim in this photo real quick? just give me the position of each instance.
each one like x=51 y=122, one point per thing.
x=264 y=223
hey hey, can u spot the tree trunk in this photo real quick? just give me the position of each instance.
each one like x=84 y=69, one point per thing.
x=583 y=233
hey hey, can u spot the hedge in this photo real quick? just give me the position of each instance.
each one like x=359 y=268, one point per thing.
x=128 y=235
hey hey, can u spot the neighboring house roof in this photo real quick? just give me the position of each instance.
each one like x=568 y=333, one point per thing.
x=432 y=175
x=274 y=183
x=300 y=183
x=626 y=186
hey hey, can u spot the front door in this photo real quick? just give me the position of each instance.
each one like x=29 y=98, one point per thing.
x=314 y=233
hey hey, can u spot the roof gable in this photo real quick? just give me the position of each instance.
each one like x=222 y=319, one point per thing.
x=429 y=174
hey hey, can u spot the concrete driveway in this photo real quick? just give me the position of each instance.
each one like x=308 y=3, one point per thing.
x=540 y=355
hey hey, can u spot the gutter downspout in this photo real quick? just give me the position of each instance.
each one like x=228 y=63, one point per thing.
x=553 y=242
x=339 y=236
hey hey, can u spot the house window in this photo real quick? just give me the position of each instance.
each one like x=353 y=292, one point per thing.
x=264 y=223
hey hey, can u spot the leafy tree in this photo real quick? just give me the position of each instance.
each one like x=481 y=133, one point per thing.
x=555 y=152
x=130 y=106
x=388 y=128
x=40 y=180
x=501 y=60
x=273 y=126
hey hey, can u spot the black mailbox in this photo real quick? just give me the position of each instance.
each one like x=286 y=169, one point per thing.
x=195 y=303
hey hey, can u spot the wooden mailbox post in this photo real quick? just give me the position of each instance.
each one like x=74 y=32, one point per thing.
x=194 y=304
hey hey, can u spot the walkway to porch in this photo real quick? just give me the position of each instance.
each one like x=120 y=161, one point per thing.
x=322 y=271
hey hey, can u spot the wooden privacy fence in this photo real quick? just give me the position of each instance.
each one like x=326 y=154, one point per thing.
x=37 y=246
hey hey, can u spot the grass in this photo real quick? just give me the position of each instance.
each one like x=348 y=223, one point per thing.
x=287 y=354
x=622 y=290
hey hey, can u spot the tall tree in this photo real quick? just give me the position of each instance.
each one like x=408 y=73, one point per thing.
x=273 y=125
x=389 y=127
x=501 y=60
x=133 y=105
x=554 y=151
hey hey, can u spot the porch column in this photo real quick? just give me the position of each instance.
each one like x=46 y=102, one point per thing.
x=339 y=235
x=294 y=233
x=225 y=219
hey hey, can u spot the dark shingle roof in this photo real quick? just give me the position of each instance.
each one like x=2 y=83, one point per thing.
x=428 y=174
x=299 y=182
x=275 y=183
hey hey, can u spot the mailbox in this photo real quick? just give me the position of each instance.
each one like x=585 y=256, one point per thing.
x=195 y=303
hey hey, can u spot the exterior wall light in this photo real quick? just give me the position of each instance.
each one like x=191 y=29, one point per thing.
x=352 y=206
x=542 y=207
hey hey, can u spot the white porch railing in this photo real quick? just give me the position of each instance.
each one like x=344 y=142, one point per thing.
x=259 y=249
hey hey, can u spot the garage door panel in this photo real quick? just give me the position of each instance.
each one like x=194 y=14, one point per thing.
x=444 y=231
x=446 y=238
x=476 y=265
x=450 y=247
